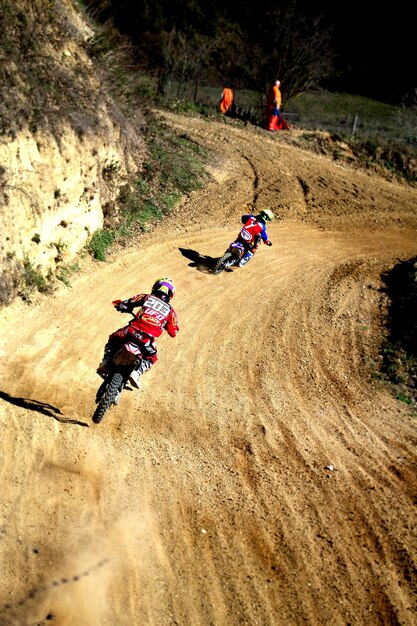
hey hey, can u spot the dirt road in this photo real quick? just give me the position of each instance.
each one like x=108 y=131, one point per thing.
x=262 y=476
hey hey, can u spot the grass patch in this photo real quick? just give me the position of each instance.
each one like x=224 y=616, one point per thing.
x=404 y=398
x=32 y=281
x=178 y=161
x=175 y=166
x=65 y=272
x=381 y=137
x=100 y=243
x=349 y=115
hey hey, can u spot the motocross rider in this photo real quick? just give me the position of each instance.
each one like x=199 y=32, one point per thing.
x=254 y=229
x=155 y=315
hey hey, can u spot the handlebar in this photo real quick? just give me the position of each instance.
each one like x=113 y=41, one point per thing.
x=116 y=302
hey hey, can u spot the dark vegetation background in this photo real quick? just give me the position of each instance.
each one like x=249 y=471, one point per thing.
x=357 y=47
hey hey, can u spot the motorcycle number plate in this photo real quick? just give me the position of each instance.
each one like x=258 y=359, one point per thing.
x=245 y=234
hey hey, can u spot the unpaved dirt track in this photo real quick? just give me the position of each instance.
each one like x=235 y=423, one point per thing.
x=204 y=498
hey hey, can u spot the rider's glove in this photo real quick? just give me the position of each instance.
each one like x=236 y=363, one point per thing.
x=122 y=307
x=268 y=243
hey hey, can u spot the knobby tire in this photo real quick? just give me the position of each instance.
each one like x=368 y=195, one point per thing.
x=108 y=397
x=220 y=265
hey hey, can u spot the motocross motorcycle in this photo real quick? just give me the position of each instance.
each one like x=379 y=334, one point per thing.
x=233 y=255
x=126 y=359
x=230 y=258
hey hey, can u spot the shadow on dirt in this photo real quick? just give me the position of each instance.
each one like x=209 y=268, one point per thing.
x=201 y=262
x=401 y=288
x=400 y=347
x=40 y=407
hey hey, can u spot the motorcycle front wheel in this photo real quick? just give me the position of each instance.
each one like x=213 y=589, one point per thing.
x=109 y=396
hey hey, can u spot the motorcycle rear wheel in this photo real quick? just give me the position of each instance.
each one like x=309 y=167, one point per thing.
x=222 y=263
x=108 y=397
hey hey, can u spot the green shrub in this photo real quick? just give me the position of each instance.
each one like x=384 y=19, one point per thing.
x=100 y=242
x=66 y=271
x=404 y=398
x=33 y=280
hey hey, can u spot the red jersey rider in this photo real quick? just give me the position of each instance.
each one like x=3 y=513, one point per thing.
x=254 y=229
x=155 y=315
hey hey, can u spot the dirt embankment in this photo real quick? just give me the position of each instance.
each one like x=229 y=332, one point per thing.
x=262 y=475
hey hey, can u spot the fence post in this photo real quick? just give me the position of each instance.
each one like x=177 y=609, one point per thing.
x=355 y=124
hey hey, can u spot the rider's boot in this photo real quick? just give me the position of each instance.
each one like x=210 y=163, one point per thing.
x=102 y=368
x=136 y=374
x=245 y=259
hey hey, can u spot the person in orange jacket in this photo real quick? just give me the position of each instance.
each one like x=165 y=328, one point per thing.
x=226 y=100
x=275 y=120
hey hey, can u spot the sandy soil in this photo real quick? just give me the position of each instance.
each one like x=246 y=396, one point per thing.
x=263 y=475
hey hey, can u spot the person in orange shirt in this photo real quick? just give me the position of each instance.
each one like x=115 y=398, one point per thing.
x=226 y=100
x=275 y=120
